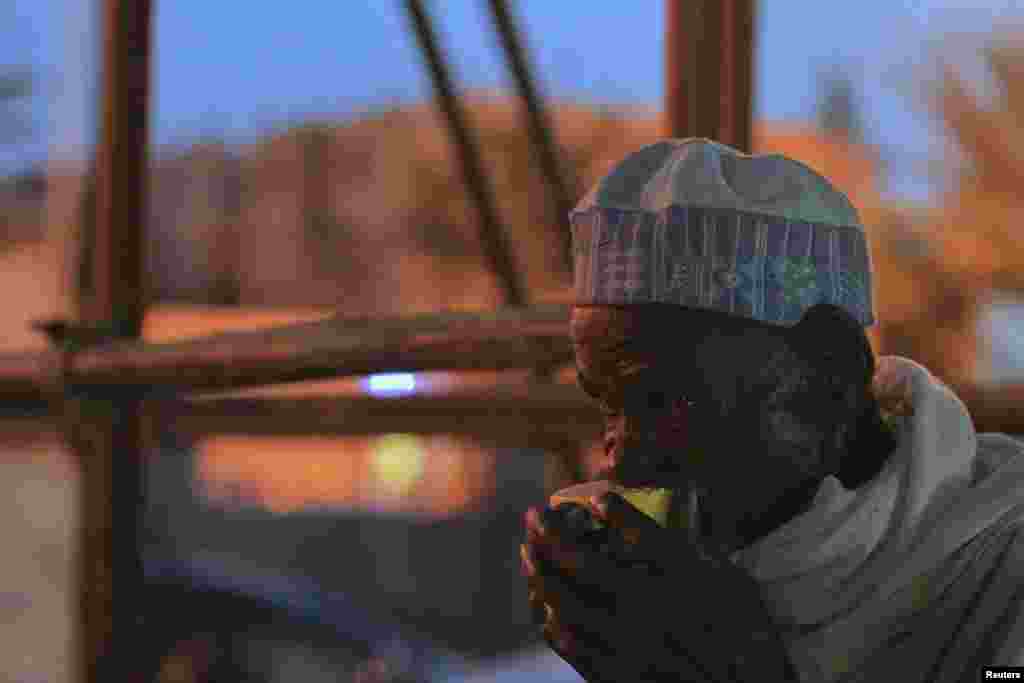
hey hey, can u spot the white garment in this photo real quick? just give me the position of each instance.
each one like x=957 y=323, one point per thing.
x=918 y=575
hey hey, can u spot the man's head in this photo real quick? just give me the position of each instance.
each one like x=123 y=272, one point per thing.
x=721 y=301
x=745 y=409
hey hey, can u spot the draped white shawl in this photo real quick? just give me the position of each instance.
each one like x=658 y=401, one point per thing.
x=918 y=575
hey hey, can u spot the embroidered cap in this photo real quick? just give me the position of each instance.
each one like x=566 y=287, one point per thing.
x=696 y=223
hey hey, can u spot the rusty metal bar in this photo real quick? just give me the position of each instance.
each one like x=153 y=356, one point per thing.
x=539 y=125
x=680 y=76
x=110 y=571
x=524 y=415
x=493 y=237
x=709 y=70
x=737 y=82
x=503 y=339
x=117 y=293
x=706 y=70
x=496 y=340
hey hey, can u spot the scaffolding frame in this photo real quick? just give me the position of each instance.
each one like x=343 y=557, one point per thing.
x=100 y=380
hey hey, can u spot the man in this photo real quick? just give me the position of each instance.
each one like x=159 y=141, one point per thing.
x=846 y=522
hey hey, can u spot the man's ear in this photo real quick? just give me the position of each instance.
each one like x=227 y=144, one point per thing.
x=833 y=341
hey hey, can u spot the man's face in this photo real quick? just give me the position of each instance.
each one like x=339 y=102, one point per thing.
x=684 y=400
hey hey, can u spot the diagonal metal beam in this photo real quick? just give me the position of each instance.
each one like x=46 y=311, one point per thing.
x=336 y=347
x=539 y=126
x=493 y=237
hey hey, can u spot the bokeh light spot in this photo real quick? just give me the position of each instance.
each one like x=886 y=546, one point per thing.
x=398 y=462
x=391 y=383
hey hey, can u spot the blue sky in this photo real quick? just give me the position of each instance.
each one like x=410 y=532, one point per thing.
x=237 y=68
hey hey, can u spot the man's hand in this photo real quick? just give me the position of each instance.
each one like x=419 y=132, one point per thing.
x=652 y=609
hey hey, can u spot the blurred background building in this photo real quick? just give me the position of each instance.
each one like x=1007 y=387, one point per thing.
x=299 y=170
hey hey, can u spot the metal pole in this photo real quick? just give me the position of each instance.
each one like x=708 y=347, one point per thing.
x=539 y=126
x=679 y=58
x=109 y=559
x=708 y=70
x=117 y=295
x=493 y=238
x=737 y=74
x=705 y=71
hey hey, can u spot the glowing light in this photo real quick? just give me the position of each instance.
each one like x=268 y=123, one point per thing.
x=391 y=383
x=398 y=462
x=432 y=477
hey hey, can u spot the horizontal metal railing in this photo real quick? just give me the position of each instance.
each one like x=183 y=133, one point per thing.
x=508 y=338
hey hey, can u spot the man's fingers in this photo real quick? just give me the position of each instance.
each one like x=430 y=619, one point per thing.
x=554 y=591
x=563 y=595
x=596 y=570
x=591 y=643
x=605 y=575
x=540 y=611
x=645 y=540
x=529 y=567
x=564 y=639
